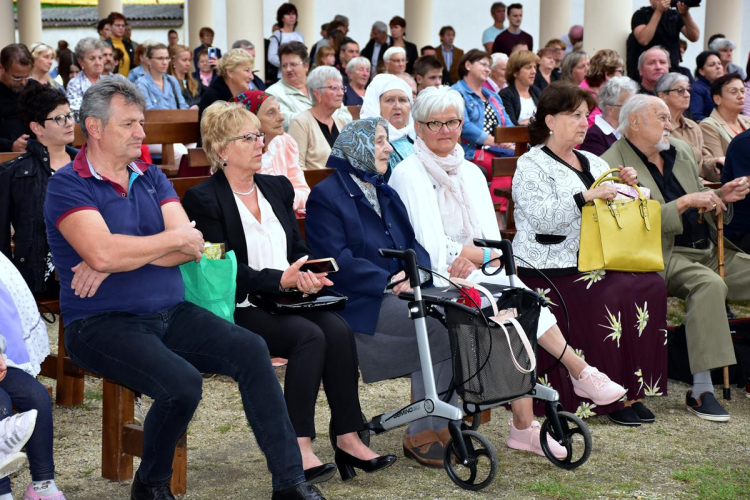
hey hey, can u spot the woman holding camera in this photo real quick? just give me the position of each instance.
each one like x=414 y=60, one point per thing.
x=252 y=214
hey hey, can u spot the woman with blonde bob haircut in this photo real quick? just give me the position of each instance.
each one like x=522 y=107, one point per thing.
x=43 y=56
x=520 y=96
x=253 y=215
x=449 y=206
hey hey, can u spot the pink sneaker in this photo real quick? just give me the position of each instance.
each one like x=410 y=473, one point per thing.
x=31 y=494
x=596 y=386
x=528 y=440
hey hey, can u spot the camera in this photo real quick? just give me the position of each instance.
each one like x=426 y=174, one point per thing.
x=689 y=3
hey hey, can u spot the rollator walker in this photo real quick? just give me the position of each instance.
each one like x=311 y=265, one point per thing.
x=483 y=373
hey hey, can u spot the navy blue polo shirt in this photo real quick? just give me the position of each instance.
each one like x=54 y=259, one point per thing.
x=77 y=186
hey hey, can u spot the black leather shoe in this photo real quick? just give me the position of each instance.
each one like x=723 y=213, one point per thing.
x=346 y=464
x=320 y=474
x=302 y=491
x=141 y=491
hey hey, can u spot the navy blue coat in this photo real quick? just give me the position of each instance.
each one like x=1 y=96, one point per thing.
x=341 y=223
x=701 y=103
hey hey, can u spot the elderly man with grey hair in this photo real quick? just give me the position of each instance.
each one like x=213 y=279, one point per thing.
x=376 y=47
x=115 y=224
x=725 y=47
x=89 y=53
x=667 y=167
x=603 y=133
x=316 y=129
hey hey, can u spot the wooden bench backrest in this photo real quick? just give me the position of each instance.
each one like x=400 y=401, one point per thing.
x=354 y=110
x=8 y=156
x=517 y=135
x=182 y=184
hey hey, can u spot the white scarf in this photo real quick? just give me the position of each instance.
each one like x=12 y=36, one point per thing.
x=451 y=192
x=371 y=103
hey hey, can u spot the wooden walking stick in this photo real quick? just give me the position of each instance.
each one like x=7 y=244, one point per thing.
x=727 y=391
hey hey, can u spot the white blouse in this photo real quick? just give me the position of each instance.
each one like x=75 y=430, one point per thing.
x=265 y=240
x=528 y=108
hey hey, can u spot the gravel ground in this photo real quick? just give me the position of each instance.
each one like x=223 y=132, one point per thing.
x=679 y=456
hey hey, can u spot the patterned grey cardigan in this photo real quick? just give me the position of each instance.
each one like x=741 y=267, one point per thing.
x=548 y=220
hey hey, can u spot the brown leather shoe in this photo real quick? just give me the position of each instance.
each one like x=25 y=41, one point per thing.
x=444 y=435
x=425 y=447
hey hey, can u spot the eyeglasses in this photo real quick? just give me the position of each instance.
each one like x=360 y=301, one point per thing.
x=161 y=59
x=291 y=65
x=62 y=120
x=437 y=126
x=335 y=88
x=18 y=79
x=680 y=91
x=250 y=137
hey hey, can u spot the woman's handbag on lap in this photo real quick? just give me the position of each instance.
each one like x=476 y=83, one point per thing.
x=212 y=284
x=621 y=234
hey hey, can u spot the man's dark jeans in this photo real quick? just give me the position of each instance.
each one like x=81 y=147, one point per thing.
x=163 y=355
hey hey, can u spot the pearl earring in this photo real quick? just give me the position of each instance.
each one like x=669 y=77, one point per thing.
x=550 y=132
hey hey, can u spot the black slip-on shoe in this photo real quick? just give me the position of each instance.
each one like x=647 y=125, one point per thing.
x=646 y=415
x=302 y=491
x=706 y=407
x=626 y=416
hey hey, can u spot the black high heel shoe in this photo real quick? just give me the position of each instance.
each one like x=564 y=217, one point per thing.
x=319 y=474
x=346 y=464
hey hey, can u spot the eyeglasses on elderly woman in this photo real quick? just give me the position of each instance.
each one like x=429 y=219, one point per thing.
x=250 y=137
x=437 y=126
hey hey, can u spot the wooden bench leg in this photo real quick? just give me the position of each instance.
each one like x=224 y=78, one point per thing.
x=69 y=387
x=118 y=409
x=178 y=484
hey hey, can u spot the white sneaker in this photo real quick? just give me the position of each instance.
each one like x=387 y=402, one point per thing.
x=11 y=463
x=16 y=430
x=139 y=416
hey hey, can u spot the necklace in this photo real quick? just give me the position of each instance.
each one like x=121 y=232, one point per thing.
x=246 y=193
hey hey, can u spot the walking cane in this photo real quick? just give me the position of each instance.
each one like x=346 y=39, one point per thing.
x=727 y=391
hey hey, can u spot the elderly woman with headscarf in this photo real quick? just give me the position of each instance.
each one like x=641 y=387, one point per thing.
x=603 y=132
x=280 y=152
x=350 y=215
x=389 y=97
x=251 y=213
x=449 y=205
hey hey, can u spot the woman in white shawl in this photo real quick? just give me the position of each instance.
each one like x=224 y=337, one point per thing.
x=389 y=97
x=449 y=205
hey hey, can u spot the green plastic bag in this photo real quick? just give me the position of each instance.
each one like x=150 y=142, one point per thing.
x=212 y=284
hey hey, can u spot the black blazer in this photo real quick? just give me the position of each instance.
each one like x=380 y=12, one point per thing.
x=211 y=205
x=370 y=47
x=512 y=101
x=412 y=54
x=216 y=91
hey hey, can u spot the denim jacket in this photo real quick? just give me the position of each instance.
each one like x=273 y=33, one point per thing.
x=473 y=133
x=156 y=99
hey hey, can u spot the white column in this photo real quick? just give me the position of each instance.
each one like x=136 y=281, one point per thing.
x=306 y=21
x=554 y=20
x=725 y=17
x=29 y=22
x=7 y=25
x=105 y=7
x=418 y=15
x=200 y=14
x=245 y=21
x=606 y=25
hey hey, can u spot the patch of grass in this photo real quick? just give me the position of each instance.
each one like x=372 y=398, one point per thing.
x=715 y=482
x=575 y=490
x=223 y=428
x=88 y=471
x=89 y=394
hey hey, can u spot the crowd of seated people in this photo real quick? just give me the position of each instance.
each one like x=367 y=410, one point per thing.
x=415 y=170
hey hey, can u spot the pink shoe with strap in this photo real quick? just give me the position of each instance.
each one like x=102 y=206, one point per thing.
x=31 y=494
x=529 y=440
x=596 y=386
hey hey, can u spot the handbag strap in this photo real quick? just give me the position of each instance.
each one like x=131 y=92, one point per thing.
x=499 y=321
x=604 y=178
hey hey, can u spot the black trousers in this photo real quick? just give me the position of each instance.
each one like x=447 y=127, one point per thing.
x=320 y=347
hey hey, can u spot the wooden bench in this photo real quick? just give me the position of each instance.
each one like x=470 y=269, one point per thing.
x=9 y=156
x=355 y=111
x=166 y=127
x=506 y=167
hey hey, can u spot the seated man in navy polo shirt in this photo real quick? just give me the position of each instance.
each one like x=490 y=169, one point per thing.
x=117 y=233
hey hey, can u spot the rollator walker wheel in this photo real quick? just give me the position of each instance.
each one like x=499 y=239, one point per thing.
x=481 y=467
x=364 y=434
x=575 y=438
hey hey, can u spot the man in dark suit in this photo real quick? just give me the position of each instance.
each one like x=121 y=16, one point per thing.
x=16 y=63
x=376 y=47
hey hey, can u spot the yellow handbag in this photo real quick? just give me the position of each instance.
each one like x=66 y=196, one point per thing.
x=620 y=235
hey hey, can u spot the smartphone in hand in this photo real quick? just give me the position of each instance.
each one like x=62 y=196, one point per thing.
x=327 y=265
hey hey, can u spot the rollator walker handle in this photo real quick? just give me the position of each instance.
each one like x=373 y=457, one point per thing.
x=410 y=257
x=506 y=251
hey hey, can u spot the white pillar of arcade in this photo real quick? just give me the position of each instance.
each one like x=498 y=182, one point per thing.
x=418 y=15
x=200 y=14
x=7 y=25
x=306 y=23
x=554 y=20
x=245 y=22
x=606 y=25
x=725 y=17
x=29 y=22
x=105 y=7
